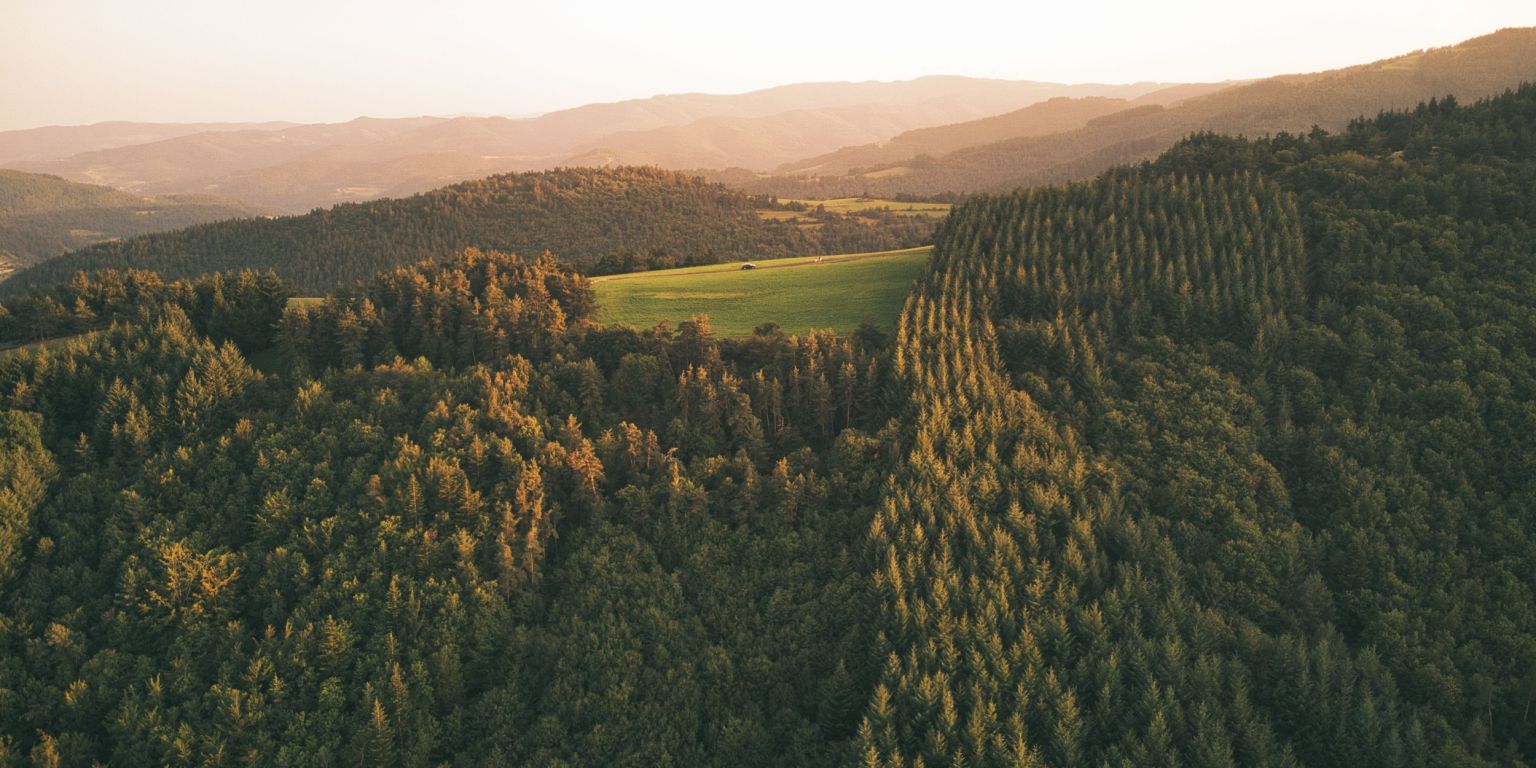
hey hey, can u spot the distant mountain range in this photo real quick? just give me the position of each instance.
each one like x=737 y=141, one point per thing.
x=45 y=216
x=767 y=141
x=56 y=142
x=1480 y=67
x=295 y=168
x=1053 y=116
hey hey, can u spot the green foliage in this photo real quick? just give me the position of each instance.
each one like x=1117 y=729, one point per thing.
x=475 y=307
x=1224 y=460
x=26 y=468
x=576 y=546
x=44 y=216
x=243 y=307
x=594 y=220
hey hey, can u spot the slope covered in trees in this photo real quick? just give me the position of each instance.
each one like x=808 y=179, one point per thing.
x=1222 y=460
x=1476 y=68
x=46 y=216
x=529 y=541
x=594 y=220
x=244 y=307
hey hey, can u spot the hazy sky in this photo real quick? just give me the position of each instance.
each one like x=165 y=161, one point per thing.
x=82 y=61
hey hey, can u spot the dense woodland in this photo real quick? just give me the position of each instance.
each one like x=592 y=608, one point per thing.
x=610 y=547
x=1219 y=460
x=239 y=306
x=45 y=216
x=595 y=220
x=1225 y=461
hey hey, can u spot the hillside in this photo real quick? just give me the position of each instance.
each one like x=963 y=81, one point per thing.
x=296 y=168
x=1228 y=456
x=44 y=216
x=602 y=220
x=1052 y=116
x=1480 y=67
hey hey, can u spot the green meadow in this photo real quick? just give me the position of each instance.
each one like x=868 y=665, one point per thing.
x=800 y=294
x=857 y=204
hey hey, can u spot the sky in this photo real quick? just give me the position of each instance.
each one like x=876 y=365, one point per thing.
x=68 y=62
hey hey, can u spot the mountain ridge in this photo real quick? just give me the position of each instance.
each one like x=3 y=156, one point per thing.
x=1479 y=67
x=299 y=168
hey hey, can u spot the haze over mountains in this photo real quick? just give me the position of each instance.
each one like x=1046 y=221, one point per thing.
x=1062 y=113
x=1480 y=67
x=301 y=167
x=59 y=141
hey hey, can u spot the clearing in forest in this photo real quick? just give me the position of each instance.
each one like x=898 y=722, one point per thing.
x=800 y=294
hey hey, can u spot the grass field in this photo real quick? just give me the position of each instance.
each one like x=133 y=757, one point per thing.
x=856 y=204
x=799 y=294
x=847 y=205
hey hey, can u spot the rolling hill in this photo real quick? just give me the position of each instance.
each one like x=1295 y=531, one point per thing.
x=1479 y=67
x=1267 y=399
x=589 y=218
x=44 y=216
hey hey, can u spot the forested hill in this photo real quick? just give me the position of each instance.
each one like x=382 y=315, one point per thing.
x=45 y=216
x=1480 y=67
x=584 y=216
x=1225 y=461
x=1218 y=461
x=506 y=538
